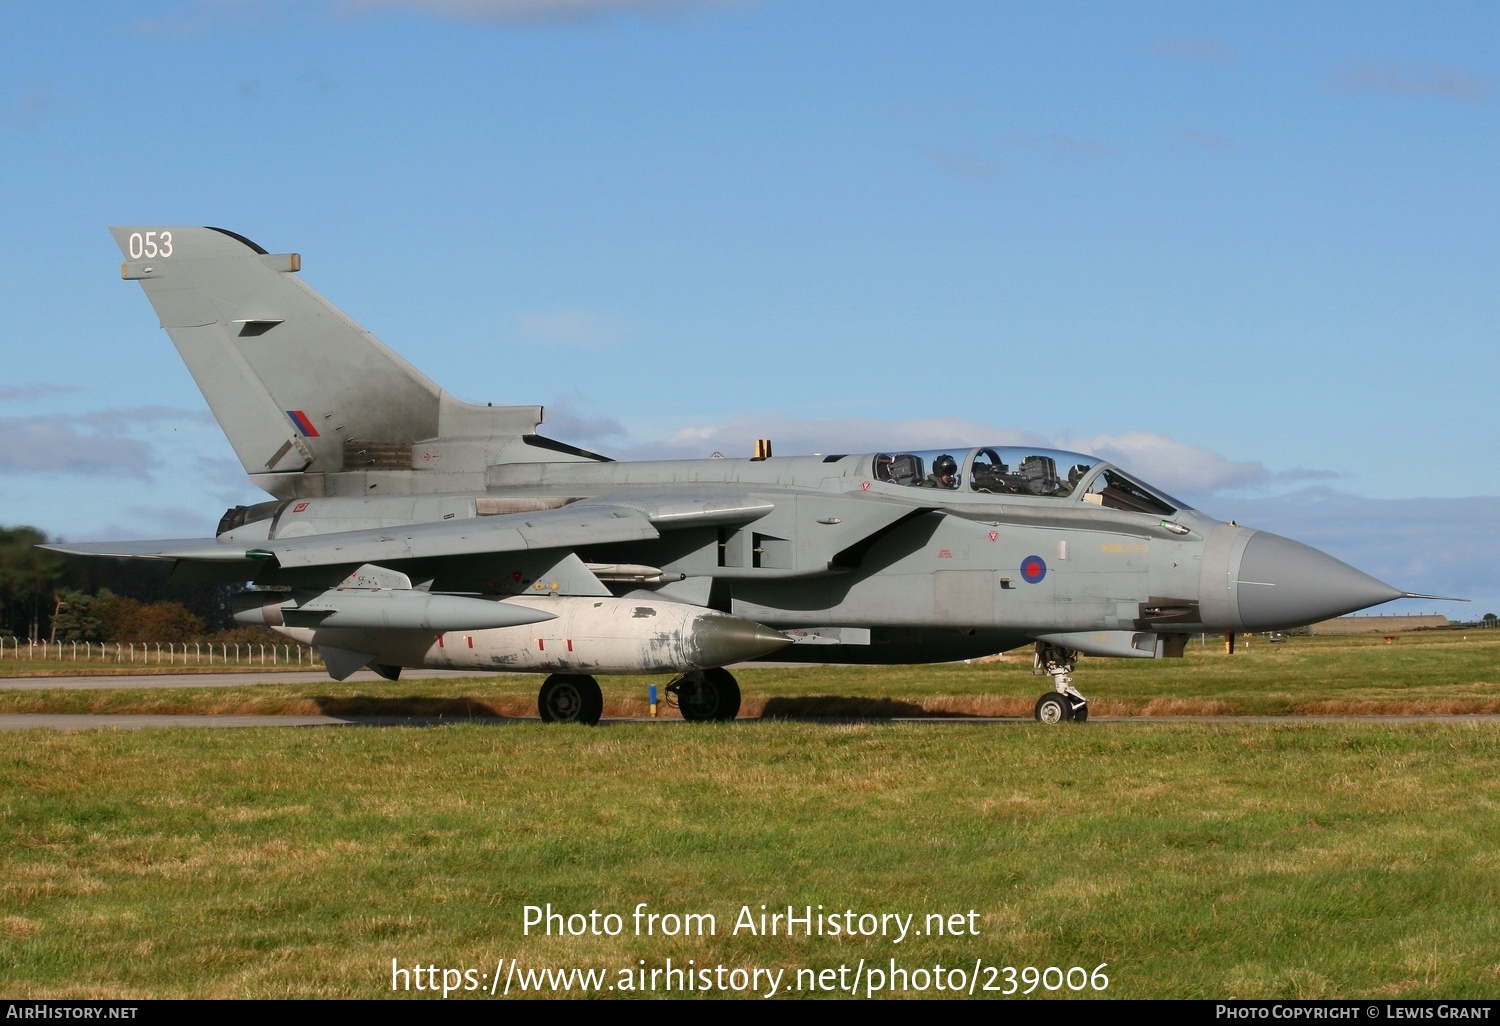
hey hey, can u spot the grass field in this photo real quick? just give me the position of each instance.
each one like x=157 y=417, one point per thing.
x=1196 y=859
x=1431 y=672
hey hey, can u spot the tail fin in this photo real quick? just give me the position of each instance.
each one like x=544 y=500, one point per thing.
x=303 y=393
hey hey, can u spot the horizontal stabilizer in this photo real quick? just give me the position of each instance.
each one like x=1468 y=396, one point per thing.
x=206 y=550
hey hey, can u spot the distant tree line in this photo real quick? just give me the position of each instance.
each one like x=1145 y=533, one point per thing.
x=47 y=596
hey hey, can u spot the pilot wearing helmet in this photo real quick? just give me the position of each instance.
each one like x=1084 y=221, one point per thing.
x=944 y=473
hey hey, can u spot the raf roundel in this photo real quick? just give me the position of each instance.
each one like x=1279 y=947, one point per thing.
x=1033 y=569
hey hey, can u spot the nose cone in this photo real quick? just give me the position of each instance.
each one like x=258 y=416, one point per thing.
x=1283 y=583
x=719 y=640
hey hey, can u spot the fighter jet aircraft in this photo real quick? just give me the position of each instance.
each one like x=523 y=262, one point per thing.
x=410 y=529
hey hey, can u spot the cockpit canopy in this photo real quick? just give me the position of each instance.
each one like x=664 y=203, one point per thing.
x=1011 y=470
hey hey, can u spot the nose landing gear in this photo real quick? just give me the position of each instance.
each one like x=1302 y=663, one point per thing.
x=1063 y=703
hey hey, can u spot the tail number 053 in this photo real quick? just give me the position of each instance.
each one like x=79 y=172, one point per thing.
x=150 y=245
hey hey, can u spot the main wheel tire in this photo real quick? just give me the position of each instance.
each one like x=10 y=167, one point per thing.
x=713 y=695
x=1053 y=707
x=570 y=698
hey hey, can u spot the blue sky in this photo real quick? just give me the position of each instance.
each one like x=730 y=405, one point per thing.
x=1247 y=250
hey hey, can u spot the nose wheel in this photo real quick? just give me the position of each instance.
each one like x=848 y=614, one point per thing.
x=1056 y=707
x=1063 y=704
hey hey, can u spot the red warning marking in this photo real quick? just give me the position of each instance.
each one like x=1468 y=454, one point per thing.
x=994 y=536
x=864 y=486
x=469 y=640
x=541 y=646
x=440 y=641
x=945 y=554
x=299 y=507
x=570 y=644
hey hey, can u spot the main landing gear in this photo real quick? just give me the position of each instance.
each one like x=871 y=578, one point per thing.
x=570 y=698
x=704 y=695
x=701 y=696
x=1063 y=703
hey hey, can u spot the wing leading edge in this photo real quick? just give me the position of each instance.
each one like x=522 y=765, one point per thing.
x=636 y=518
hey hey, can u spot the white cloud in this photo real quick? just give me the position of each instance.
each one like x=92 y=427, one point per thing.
x=532 y=10
x=1193 y=49
x=157 y=522
x=37 y=104
x=1208 y=139
x=1060 y=145
x=1430 y=546
x=580 y=329
x=98 y=443
x=798 y=436
x=15 y=392
x=144 y=416
x=50 y=445
x=564 y=421
x=1169 y=464
x=1161 y=461
x=970 y=166
x=1413 y=80
x=205 y=16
